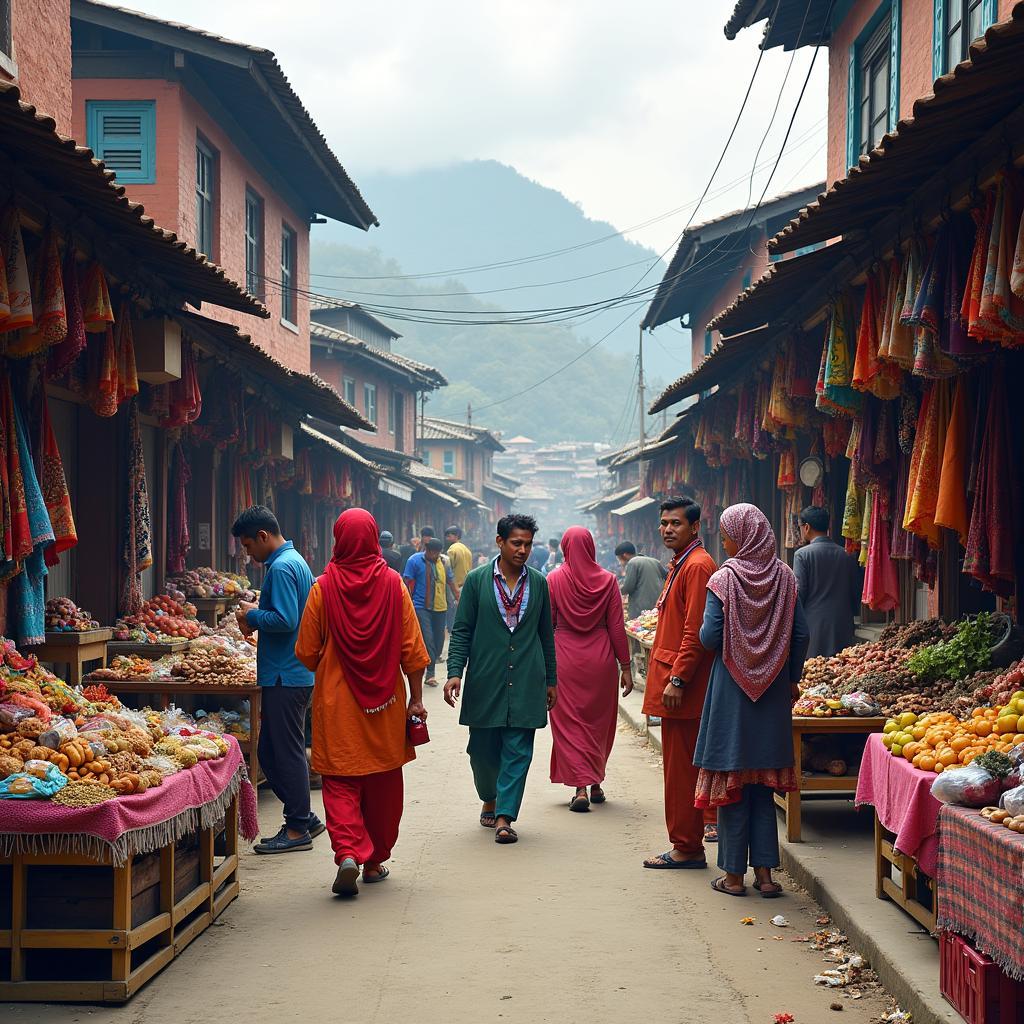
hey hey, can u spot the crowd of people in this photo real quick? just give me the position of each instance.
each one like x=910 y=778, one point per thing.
x=535 y=636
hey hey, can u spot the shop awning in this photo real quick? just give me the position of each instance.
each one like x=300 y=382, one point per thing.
x=605 y=500
x=650 y=450
x=633 y=506
x=394 y=488
x=502 y=492
x=341 y=449
x=732 y=356
x=967 y=106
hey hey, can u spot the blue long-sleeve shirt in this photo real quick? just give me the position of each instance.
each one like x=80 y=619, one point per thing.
x=283 y=597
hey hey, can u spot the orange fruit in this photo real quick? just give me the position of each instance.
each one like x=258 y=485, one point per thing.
x=947 y=757
x=926 y=763
x=983 y=728
x=958 y=743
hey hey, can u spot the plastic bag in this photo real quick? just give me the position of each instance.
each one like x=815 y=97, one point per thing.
x=860 y=703
x=1013 y=801
x=60 y=731
x=39 y=781
x=12 y=714
x=970 y=787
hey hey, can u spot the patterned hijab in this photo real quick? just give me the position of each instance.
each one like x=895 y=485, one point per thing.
x=758 y=593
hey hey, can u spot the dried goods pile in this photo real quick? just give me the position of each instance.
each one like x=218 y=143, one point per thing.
x=124 y=667
x=644 y=626
x=216 y=661
x=64 y=616
x=207 y=582
x=163 y=618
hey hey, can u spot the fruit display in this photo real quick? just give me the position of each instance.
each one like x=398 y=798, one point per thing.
x=644 y=626
x=64 y=616
x=162 y=617
x=1004 y=685
x=207 y=582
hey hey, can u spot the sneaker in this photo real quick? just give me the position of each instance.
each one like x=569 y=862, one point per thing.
x=316 y=827
x=282 y=844
x=346 y=882
x=281 y=832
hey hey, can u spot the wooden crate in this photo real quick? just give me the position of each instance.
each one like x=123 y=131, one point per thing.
x=915 y=891
x=74 y=929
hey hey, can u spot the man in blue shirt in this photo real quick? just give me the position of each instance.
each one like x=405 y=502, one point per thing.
x=429 y=577
x=287 y=685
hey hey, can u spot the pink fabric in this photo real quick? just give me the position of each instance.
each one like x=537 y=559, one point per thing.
x=758 y=594
x=110 y=820
x=901 y=795
x=881 y=584
x=579 y=584
x=583 y=720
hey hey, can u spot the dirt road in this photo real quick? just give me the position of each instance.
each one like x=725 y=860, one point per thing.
x=564 y=927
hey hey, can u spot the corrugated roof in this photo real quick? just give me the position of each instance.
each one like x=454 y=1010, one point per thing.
x=967 y=104
x=607 y=499
x=633 y=506
x=428 y=376
x=433 y=429
x=505 y=492
x=71 y=172
x=326 y=184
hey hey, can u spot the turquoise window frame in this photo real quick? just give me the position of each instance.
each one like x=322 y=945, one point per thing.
x=708 y=342
x=989 y=13
x=98 y=142
x=892 y=9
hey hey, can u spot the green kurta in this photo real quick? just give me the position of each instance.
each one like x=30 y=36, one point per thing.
x=509 y=673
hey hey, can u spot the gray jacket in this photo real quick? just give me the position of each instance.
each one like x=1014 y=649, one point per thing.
x=642 y=584
x=829 y=583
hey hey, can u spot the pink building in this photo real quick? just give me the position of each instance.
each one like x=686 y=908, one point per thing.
x=35 y=55
x=209 y=135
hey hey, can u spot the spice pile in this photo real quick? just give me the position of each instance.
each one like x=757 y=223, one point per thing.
x=207 y=582
x=64 y=616
x=216 y=661
x=122 y=668
x=163 y=618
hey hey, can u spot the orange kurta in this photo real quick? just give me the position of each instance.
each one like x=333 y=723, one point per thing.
x=346 y=740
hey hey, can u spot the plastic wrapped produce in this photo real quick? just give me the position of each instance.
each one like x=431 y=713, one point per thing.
x=1013 y=801
x=968 y=787
x=59 y=731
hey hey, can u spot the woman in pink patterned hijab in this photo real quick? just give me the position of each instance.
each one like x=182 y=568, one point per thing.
x=755 y=625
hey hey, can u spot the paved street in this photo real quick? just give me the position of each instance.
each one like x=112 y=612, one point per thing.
x=564 y=927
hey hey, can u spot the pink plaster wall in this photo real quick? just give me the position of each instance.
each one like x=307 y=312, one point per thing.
x=171 y=203
x=41 y=41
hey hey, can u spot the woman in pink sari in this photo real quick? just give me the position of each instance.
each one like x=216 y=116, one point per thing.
x=592 y=656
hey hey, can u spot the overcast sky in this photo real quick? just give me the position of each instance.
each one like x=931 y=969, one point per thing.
x=622 y=107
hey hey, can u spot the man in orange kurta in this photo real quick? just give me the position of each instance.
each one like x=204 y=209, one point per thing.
x=677 y=680
x=359 y=755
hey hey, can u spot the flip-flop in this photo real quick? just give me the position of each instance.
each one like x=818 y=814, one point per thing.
x=347 y=881
x=719 y=886
x=580 y=804
x=710 y=833
x=506 y=835
x=489 y=819
x=597 y=795
x=430 y=682
x=384 y=872
x=769 y=894
x=666 y=862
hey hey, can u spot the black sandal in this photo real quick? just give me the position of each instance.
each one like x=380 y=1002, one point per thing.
x=506 y=835
x=488 y=819
x=580 y=803
x=719 y=886
x=770 y=894
x=597 y=795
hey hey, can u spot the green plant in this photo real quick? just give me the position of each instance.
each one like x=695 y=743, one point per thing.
x=995 y=762
x=967 y=652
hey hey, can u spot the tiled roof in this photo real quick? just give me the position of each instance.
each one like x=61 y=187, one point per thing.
x=791 y=23
x=425 y=375
x=434 y=429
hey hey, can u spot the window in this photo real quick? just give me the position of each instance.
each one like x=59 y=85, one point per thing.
x=873 y=89
x=957 y=24
x=5 y=29
x=349 y=386
x=370 y=402
x=449 y=461
x=391 y=413
x=205 y=170
x=426 y=456
x=253 y=244
x=709 y=343
x=287 y=274
x=123 y=136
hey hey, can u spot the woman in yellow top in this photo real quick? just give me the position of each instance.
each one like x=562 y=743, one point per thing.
x=359 y=633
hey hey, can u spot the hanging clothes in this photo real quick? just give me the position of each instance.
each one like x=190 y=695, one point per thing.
x=926 y=464
x=50 y=322
x=870 y=373
x=970 y=307
x=19 y=286
x=54 y=485
x=901 y=543
x=953 y=337
x=927 y=315
x=1008 y=305
x=184 y=399
x=881 y=590
x=896 y=344
x=63 y=354
x=124 y=348
x=17 y=532
x=137 y=550
x=102 y=375
x=835 y=393
x=178 y=539
x=97 y=310
x=951 y=506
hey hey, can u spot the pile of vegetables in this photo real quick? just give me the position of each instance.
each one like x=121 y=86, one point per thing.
x=163 y=617
x=965 y=653
x=207 y=582
x=64 y=616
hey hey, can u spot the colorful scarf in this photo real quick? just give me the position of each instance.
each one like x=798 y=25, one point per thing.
x=758 y=595
x=178 y=539
x=124 y=348
x=97 y=311
x=102 y=382
x=137 y=552
x=836 y=395
x=881 y=590
x=54 y=485
x=951 y=505
x=17 y=532
x=926 y=464
x=870 y=373
x=50 y=325
x=65 y=352
x=19 y=287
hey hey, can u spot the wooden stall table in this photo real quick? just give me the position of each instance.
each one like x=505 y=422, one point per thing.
x=640 y=651
x=811 y=726
x=152 y=651
x=212 y=609
x=74 y=650
x=166 y=690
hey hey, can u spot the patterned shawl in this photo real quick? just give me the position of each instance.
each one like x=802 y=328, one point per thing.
x=137 y=554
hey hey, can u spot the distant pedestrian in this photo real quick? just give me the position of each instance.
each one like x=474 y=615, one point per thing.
x=555 y=556
x=461 y=559
x=503 y=634
x=430 y=579
x=408 y=549
x=829 y=581
x=390 y=555
x=593 y=661
x=754 y=624
x=359 y=633
x=286 y=685
x=642 y=580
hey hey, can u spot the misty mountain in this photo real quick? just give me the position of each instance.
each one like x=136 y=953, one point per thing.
x=449 y=220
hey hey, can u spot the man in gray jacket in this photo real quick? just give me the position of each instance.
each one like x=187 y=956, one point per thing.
x=643 y=579
x=829 y=584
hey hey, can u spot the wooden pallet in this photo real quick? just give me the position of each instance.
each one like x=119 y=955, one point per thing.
x=74 y=929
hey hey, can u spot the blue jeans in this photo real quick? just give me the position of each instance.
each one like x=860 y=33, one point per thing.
x=748 y=832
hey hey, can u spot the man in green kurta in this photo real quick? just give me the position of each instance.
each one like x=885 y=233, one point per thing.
x=503 y=631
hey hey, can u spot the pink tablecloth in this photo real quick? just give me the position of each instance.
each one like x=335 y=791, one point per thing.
x=128 y=825
x=901 y=795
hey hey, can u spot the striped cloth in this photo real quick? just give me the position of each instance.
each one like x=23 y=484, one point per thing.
x=980 y=885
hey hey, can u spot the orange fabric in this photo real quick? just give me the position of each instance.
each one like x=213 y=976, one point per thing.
x=346 y=740
x=676 y=650
x=685 y=822
x=951 y=508
x=926 y=464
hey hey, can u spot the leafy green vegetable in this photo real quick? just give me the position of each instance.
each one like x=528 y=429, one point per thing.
x=994 y=762
x=962 y=655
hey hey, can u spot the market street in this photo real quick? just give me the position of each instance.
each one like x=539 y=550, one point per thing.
x=566 y=926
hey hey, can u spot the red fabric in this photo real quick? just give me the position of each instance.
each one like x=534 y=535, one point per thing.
x=63 y=354
x=579 y=585
x=685 y=821
x=902 y=797
x=758 y=593
x=363 y=599
x=881 y=589
x=363 y=814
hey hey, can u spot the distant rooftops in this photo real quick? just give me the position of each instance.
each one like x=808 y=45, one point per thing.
x=447 y=430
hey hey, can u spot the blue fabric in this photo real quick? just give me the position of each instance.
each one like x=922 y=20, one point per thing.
x=748 y=833
x=500 y=586
x=500 y=759
x=737 y=733
x=416 y=570
x=283 y=597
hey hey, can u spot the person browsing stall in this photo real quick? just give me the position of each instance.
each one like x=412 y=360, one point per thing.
x=642 y=580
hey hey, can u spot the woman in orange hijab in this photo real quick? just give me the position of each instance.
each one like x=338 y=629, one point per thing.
x=359 y=633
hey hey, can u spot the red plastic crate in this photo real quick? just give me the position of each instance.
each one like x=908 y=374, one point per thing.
x=976 y=986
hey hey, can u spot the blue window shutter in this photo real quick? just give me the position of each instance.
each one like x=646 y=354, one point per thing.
x=894 y=65
x=990 y=12
x=939 y=39
x=852 y=123
x=123 y=135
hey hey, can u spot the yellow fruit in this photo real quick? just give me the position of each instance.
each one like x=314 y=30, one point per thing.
x=907 y=718
x=918 y=731
x=887 y=739
x=897 y=749
x=1006 y=724
x=890 y=726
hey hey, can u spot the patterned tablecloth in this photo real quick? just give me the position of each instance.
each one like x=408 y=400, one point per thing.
x=980 y=885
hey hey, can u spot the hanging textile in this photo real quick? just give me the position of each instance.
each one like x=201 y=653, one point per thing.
x=50 y=322
x=178 y=540
x=835 y=393
x=953 y=336
x=787 y=468
x=881 y=591
x=896 y=344
x=926 y=463
x=853 y=514
x=901 y=543
x=17 y=532
x=124 y=348
x=792 y=538
x=990 y=540
x=184 y=400
x=870 y=373
x=97 y=311
x=102 y=376
x=1009 y=307
x=137 y=551
x=951 y=506
x=63 y=354
x=907 y=422
x=970 y=308
x=927 y=315
x=50 y=471
x=19 y=287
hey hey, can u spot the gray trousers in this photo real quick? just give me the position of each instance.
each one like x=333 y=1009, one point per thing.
x=432 y=628
x=748 y=832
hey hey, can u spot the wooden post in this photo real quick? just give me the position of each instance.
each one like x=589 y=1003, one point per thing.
x=122 y=957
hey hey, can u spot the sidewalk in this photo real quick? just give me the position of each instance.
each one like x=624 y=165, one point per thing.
x=835 y=864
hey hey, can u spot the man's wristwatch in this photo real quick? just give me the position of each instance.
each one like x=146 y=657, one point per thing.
x=676 y=682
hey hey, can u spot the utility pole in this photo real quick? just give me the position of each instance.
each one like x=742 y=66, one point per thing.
x=469 y=414
x=640 y=398
x=423 y=416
